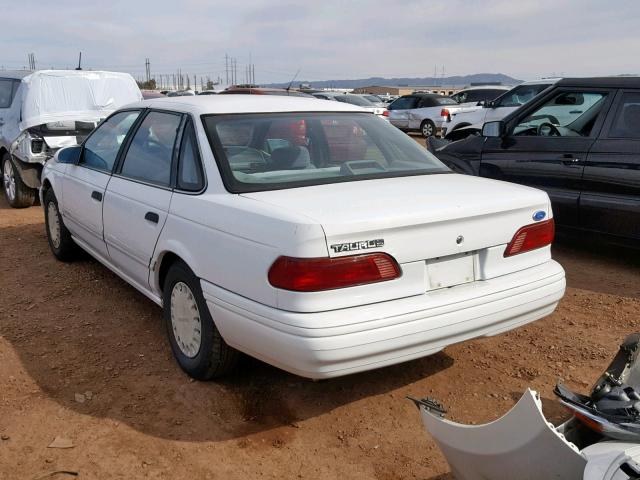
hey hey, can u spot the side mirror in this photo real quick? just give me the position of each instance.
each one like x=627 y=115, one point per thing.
x=68 y=155
x=481 y=103
x=493 y=129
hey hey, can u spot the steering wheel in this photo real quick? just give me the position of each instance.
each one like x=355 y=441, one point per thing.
x=547 y=129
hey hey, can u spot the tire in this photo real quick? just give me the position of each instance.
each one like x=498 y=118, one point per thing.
x=427 y=128
x=16 y=191
x=205 y=357
x=60 y=241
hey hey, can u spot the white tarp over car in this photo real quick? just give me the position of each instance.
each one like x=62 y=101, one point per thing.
x=49 y=96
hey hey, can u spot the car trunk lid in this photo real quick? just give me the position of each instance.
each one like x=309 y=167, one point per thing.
x=414 y=218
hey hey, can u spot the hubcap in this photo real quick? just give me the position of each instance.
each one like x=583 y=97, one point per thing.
x=427 y=130
x=9 y=180
x=185 y=320
x=53 y=222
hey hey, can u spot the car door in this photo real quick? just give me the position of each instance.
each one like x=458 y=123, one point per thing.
x=139 y=194
x=400 y=110
x=610 y=200
x=546 y=146
x=84 y=184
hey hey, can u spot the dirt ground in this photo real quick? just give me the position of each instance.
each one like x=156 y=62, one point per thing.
x=84 y=357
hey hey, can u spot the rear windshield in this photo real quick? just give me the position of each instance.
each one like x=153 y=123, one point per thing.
x=445 y=101
x=353 y=100
x=257 y=152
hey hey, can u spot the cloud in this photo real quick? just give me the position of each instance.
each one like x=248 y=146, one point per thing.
x=330 y=39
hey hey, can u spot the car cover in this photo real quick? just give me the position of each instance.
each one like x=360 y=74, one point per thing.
x=49 y=96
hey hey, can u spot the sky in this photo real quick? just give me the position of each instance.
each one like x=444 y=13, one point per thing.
x=327 y=39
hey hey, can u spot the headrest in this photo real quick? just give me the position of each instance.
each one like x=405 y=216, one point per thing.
x=290 y=158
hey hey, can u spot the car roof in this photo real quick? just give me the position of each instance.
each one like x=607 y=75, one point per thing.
x=243 y=103
x=487 y=87
x=602 y=82
x=542 y=81
x=422 y=94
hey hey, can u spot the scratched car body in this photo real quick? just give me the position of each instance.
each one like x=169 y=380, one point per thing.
x=309 y=234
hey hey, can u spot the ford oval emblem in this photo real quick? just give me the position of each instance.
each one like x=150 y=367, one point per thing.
x=539 y=215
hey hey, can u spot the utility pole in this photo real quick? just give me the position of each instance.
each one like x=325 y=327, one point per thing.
x=226 y=67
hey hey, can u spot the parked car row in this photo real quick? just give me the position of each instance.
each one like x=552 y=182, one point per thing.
x=430 y=113
x=459 y=125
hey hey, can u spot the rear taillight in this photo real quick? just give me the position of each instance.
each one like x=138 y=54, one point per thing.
x=385 y=113
x=444 y=112
x=316 y=274
x=530 y=237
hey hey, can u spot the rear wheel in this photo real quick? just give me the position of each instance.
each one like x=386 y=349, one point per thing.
x=427 y=128
x=195 y=341
x=18 y=194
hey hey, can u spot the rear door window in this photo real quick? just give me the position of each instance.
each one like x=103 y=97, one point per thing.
x=626 y=123
x=190 y=174
x=403 y=103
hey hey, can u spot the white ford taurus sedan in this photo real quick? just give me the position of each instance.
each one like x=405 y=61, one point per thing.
x=309 y=234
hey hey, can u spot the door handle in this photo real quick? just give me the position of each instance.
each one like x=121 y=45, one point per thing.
x=569 y=159
x=96 y=195
x=152 y=217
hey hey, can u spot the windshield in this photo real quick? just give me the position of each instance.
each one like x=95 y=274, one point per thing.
x=257 y=152
x=373 y=98
x=520 y=95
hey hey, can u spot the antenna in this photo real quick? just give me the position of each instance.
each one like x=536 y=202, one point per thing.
x=293 y=80
x=79 y=67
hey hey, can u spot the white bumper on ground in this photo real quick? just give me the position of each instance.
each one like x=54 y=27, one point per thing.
x=339 y=342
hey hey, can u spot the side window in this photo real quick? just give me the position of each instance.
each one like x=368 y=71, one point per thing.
x=151 y=150
x=8 y=90
x=101 y=148
x=190 y=175
x=475 y=95
x=566 y=114
x=627 y=119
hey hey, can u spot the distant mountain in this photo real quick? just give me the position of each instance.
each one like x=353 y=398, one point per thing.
x=458 y=81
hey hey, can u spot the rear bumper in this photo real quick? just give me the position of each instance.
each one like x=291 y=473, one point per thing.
x=339 y=342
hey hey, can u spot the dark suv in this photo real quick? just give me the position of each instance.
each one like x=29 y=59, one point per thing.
x=579 y=141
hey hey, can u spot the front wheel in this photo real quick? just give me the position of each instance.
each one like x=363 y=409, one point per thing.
x=195 y=341
x=60 y=241
x=427 y=128
x=18 y=194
